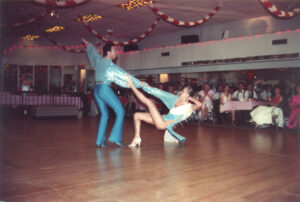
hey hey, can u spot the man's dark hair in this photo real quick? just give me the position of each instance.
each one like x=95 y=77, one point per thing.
x=107 y=47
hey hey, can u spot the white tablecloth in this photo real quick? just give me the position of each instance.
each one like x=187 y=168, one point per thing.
x=11 y=99
x=242 y=105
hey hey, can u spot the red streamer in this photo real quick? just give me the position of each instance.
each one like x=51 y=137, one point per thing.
x=183 y=23
x=279 y=13
x=135 y=40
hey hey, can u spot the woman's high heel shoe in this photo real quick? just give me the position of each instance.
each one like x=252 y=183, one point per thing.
x=136 y=141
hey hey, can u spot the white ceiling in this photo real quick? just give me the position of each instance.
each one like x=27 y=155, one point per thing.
x=128 y=25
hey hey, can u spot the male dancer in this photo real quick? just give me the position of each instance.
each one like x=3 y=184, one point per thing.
x=105 y=73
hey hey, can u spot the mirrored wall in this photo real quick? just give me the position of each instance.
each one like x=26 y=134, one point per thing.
x=26 y=78
x=10 y=78
x=41 y=78
x=55 y=78
x=44 y=79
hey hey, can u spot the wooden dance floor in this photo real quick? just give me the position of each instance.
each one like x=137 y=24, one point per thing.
x=57 y=160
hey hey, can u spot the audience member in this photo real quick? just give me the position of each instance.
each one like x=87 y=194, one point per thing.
x=239 y=94
x=178 y=89
x=216 y=103
x=206 y=97
x=265 y=93
x=294 y=118
x=267 y=115
x=225 y=97
x=250 y=94
x=171 y=88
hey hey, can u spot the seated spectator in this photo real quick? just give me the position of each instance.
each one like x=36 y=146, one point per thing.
x=295 y=107
x=265 y=93
x=218 y=92
x=206 y=97
x=239 y=94
x=171 y=88
x=130 y=105
x=267 y=115
x=178 y=89
x=216 y=103
x=160 y=86
x=250 y=94
x=139 y=106
x=225 y=97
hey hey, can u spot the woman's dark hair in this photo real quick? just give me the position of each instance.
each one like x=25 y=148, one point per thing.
x=226 y=84
x=107 y=47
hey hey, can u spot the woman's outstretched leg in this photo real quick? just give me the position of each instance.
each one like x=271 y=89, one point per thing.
x=159 y=122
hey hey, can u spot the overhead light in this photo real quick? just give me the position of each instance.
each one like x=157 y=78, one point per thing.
x=30 y=37
x=132 y=4
x=109 y=32
x=54 y=14
x=163 y=78
x=89 y=18
x=55 y=29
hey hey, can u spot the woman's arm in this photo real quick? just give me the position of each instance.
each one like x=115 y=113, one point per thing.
x=202 y=95
x=197 y=104
x=210 y=94
x=222 y=99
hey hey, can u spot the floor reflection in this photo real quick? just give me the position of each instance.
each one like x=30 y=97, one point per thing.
x=136 y=154
x=173 y=150
x=262 y=142
x=109 y=158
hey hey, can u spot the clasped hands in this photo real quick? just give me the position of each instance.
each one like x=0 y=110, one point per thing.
x=130 y=84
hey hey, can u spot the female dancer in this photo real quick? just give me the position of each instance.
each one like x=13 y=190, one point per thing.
x=180 y=111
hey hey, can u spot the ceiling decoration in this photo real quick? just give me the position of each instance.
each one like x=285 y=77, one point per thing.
x=89 y=18
x=182 y=14
x=132 y=4
x=184 y=23
x=30 y=20
x=30 y=37
x=277 y=12
x=55 y=28
x=54 y=14
x=61 y=3
x=73 y=48
x=103 y=38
